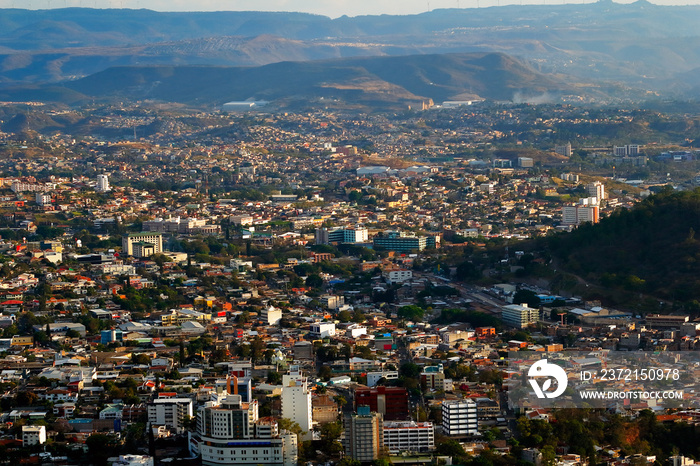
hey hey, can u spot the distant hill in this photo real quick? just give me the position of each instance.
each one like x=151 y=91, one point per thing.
x=641 y=45
x=653 y=248
x=375 y=81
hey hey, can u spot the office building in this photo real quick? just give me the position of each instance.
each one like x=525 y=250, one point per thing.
x=409 y=436
x=230 y=432
x=391 y=402
x=519 y=315
x=102 y=184
x=341 y=235
x=128 y=242
x=364 y=436
x=399 y=241
x=459 y=418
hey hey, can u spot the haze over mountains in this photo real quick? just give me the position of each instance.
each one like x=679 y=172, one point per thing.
x=600 y=49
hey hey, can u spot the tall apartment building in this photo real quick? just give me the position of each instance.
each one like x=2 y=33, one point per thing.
x=564 y=150
x=102 y=184
x=519 y=315
x=170 y=412
x=296 y=400
x=43 y=198
x=230 y=432
x=596 y=189
x=128 y=241
x=459 y=418
x=587 y=210
x=364 y=436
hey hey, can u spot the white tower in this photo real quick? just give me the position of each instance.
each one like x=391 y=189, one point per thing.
x=296 y=400
x=102 y=184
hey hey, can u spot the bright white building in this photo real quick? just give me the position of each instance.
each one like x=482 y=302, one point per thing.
x=596 y=189
x=43 y=199
x=519 y=315
x=296 y=400
x=230 y=432
x=374 y=377
x=270 y=315
x=322 y=329
x=398 y=276
x=128 y=242
x=459 y=418
x=400 y=436
x=102 y=184
x=170 y=412
x=33 y=435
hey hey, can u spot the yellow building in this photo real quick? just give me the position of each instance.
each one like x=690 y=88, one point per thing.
x=22 y=341
x=178 y=316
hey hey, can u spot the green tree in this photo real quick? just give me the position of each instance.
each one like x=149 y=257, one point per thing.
x=411 y=312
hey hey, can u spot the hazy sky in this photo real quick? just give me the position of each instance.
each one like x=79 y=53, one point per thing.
x=332 y=8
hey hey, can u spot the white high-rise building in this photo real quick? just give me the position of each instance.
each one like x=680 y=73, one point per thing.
x=43 y=199
x=231 y=433
x=596 y=189
x=296 y=400
x=102 y=184
x=459 y=418
x=519 y=315
x=170 y=412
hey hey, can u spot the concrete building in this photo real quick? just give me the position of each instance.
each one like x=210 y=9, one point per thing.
x=296 y=400
x=325 y=410
x=43 y=199
x=170 y=412
x=364 y=436
x=230 y=432
x=33 y=435
x=409 y=436
x=459 y=418
x=270 y=315
x=519 y=315
x=322 y=330
x=102 y=184
x=391 y=402
x=596 y=189
x=128 y=241
x=399 y=241
x=564 y=150
x=341 y=235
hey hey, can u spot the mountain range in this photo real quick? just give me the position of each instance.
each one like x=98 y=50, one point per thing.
x=601 y=49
